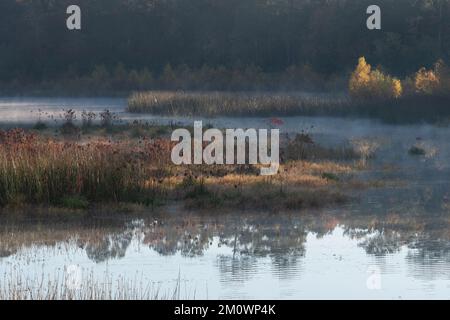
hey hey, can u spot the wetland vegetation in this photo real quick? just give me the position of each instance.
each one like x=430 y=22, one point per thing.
x=421 y=97
x=87 y=184
x=78 y=166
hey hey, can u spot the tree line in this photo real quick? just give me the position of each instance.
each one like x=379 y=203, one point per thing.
x=153 y=37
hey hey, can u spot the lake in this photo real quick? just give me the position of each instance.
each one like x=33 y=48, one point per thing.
x=391 y=242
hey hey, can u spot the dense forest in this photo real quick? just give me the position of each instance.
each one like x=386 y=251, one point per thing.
x=145 y=43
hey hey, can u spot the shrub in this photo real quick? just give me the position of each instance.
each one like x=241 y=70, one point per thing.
x=107 y=118
x=442 y=71
x=397 y=88
x=360 y=79
x=69 y=126
x=87 y=118
x=435 y=81
x=366 y=83
x=426 y=81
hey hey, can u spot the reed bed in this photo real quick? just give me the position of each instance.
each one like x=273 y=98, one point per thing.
x=78 y=173
x=209 y=104
x=408 y=109
x=48 y=171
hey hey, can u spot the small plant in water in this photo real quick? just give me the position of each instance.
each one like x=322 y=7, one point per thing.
x=87 y=118
x=107 y=118
x=40 y=125
x=366 y=149
x=69 y=126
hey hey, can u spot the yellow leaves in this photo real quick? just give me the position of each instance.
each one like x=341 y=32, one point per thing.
x=363 y=70
x=366 y=83
x=435 y=81
x=397 y=88
x=426 y=81
x=360 y=77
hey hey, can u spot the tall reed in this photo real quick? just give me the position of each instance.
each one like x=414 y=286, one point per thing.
x=235 y=104
x=36 y=171
x=407 y=109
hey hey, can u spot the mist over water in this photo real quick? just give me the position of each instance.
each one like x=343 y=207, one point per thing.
x=391 y=242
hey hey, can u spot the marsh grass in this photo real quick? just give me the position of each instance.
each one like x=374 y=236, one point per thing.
x=302 y=147
x=37 y=171
x=408 y=109
x=299 y=185
x=211 y=104
x=84 y=173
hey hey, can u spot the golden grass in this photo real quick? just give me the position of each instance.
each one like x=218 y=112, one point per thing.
x=79 y=173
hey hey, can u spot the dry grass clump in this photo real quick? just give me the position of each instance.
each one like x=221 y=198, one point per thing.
x=227 y=103
x=263 y=195
x=298 y=185
x=302 y=147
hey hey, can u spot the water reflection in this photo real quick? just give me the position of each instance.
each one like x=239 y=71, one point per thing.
x=277 y=247
x=401 y=227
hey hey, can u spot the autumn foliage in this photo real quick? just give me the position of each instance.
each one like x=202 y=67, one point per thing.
x=435 y=81
x=366 y=83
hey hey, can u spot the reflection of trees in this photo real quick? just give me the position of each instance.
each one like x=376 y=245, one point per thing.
x=17 y=235
x=382 y=243
x=258 y=238
x=268 y=238
x=111 y=247
x=6 y=252
x=428 y=238
x=236 y=268
x=243 y=240
x=276 y=238
x=184 y=237
x=427 y=257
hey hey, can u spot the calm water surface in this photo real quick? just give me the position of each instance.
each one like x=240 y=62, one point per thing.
x=392 y=242
x=314 y=255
